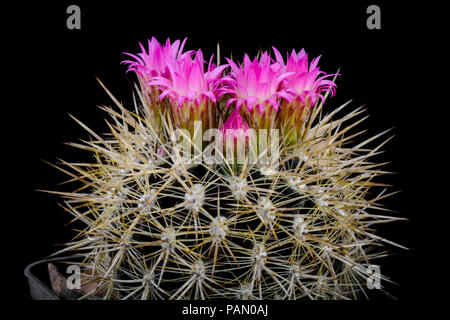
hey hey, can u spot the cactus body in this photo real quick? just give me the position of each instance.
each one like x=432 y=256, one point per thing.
x=158 y=227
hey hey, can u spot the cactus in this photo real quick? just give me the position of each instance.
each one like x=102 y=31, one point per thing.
x=159 y=225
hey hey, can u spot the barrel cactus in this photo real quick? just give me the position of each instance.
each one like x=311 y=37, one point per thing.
x=227 y=181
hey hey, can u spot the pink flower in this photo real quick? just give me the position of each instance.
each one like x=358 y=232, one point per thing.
x=254 y=84
x=191 y=90
x=187 y=81
x=303 y=82
x=237 y=137
x=235 y=126
x=151 y=63
x=154 y=62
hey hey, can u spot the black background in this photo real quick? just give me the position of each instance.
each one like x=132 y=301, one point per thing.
x=58 y=70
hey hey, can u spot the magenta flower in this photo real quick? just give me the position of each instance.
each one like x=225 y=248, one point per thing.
x=191 y=90
x=254 y=87
x=151 y=63
x=234 y=127
x=187 y=80
x=305 y=84
x=237 y=135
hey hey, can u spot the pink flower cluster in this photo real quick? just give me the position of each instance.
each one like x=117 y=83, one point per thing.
x=265 y=81
x=263 y=84
x=180 y=76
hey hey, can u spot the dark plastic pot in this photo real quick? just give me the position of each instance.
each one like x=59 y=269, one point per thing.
x=39 y=280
